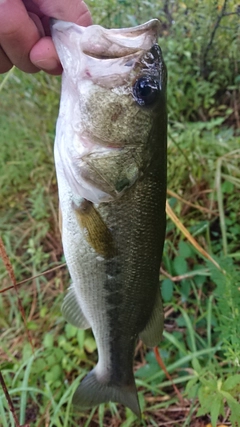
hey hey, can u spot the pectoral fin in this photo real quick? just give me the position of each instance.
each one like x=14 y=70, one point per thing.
x=97 y=233
x=72 y=311
x=152 y=333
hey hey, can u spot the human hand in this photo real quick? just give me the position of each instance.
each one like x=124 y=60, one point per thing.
x=25 y=39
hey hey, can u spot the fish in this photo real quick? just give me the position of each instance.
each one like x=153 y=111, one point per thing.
x=110 y=156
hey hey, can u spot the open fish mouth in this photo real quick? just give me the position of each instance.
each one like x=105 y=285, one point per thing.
x=101 y=43
x=104 y=56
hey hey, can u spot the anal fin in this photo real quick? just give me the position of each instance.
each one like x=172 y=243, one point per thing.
x=152 y=333
x=72 y=311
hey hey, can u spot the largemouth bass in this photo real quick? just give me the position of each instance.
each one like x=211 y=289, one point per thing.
x=110 y=155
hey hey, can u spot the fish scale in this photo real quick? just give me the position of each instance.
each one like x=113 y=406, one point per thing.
x=111 y=171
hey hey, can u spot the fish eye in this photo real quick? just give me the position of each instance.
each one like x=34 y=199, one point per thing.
x=145 y=91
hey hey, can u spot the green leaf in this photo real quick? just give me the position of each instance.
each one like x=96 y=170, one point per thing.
x=130 y=419
x=215 y=409
x=167 y=290
x=27 y=351
x=204 y=400
x=196 y=365
x=235 y=412
x=54 y=374
x=48 y=340
x=71 y=331
x=43 y=311
x=39 y=365
x=32 y=326
x=90 y=344
x=227 y=187
x=6 y=366
x=185 y=289
x=81 y=338
x=192 y=387
x=150 y=368
x=180 y=265
x=231 y=382
x=185 y=250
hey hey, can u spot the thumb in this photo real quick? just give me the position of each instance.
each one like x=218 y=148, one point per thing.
x=73 y=10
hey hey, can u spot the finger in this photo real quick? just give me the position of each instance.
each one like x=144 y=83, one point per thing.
x=44 y=56
x=18 y=34
x=37 y=21
x=74 y=11
x=32 y=7
x=5 y=63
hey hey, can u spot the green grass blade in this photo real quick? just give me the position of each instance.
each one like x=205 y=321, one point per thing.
x=221 y=206
x=171 y=338
x=3 y=414
x=23 y=399
x=6 y=77
x=184 y=360
x=209 y=321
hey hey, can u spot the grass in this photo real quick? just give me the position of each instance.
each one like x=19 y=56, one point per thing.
x=201 y=342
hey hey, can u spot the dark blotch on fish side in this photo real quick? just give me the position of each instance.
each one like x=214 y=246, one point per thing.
x=114 y=301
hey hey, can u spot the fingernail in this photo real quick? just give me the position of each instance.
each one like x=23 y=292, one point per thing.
x=49 y=64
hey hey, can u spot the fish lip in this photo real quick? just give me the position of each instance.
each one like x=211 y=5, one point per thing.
x=149 y=25
x=131 y=56
x=122 y=37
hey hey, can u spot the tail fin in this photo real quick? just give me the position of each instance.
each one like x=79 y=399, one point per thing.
x=92 y=392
